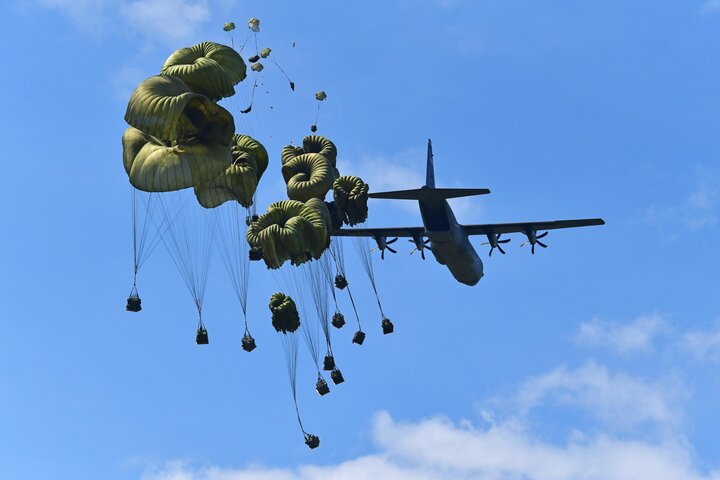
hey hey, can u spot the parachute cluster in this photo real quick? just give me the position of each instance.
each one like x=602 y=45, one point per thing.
x=179 y=137
x=199 y=177
x=299 y=229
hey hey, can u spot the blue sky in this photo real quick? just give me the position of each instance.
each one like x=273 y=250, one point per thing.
x=595 y=358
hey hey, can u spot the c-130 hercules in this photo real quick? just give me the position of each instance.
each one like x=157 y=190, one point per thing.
x=449 y=240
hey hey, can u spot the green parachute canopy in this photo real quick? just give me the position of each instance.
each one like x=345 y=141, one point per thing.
x=321 y=145
x=285 y=316
x=351 y=196
x=229 y=26
x=291 y=230
x=240 y=180
x=307 y=176
x=289 y=152
x=245 y=143
x=207 y=68
x=157 y=166
x=166 y=108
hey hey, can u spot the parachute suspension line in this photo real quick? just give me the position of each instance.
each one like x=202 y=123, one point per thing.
x=252 y=98
x=189 y=242
x=338 y=254
x=363 y=249
x=242 y=47
x=297 y=286
x=317 y=115
x=143 y=243
x=327 y=270
x=292 y=84
x=316 y=271
x=289 y=343
x=290 y=281
x=308 y=329
x=234 y=251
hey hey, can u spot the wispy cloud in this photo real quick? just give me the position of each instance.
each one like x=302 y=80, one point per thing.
x=703 y=344
x=700 y=208
x=162 y=21
x=617 y=400
x=166 y=20
x=91 y=15
x=401 y=171
x=437 y=448
x=635 y=336
x=711 y=6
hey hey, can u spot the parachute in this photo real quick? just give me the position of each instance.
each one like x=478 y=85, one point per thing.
x=239 y=180
x=297 y=281
x=351 y=196
x=180 y=138
x=195 y=180
x=282 y=306
x=285 y=317
x=165 y=107
x=320 y=96
x=207 y=68
x=307 y=176
x=291 y=230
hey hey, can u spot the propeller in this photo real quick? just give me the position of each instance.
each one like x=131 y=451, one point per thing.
x=382 y=245
x=494 y=242
x=533 y=238
x=420 y=246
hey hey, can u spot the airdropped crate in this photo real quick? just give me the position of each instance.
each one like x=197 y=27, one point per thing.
x=359 y=337
x=248 y=343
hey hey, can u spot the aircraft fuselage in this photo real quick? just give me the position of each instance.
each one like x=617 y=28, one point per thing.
x=450 y=244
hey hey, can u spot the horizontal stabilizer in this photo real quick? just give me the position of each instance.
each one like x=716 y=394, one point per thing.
x=425 y=193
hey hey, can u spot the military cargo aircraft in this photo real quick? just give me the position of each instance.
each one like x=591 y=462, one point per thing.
x=449 y=240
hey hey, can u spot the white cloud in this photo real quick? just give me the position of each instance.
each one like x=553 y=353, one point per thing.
x=167 y=20
x=618 y=401
x=699 y=209
x=437 y=448
x=637 y=335
x=88 y=14
x=704 y=345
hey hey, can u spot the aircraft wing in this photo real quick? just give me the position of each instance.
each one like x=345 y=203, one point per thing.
x=381 y=232
x=498 y=228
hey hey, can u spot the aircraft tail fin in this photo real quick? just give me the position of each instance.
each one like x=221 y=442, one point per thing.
x=429 y=192
x=430 y=174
